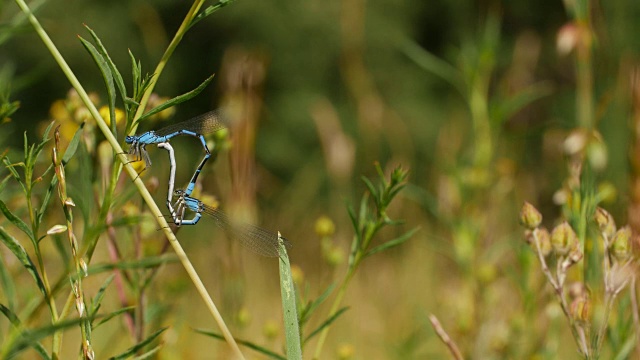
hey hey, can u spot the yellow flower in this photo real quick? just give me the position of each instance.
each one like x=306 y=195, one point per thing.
x=104 y=112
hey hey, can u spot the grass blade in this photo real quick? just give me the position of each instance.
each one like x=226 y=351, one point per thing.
x=291 y=326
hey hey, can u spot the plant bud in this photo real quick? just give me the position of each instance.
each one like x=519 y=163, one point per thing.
x=605 y=223
x=530 y=217
x=581 y=310
x=563 y=238
x=542 y=235
x=621 y=244
x=57 y=229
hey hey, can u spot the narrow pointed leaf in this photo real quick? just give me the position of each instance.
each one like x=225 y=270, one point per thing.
x=149 y=353
x=13 y=318
x=326 y=323
x=16 y=220
x=435 y=66
x=45 y=139
x=112 y=66
x=47 y=198
x=392 y=243
x=8 y=286
x=4 y=181
x=12 y=244
x=248 y=344
x=144 y=263
x=97 y=300
x=209 y=10
x=107 y=76
x=315 y=303
x=33 y=336
x=370 y=187
x=112 y=315
x=134 y=349
x=178 y=99
x=10 y=315
x=290 y=313
x=73 y=145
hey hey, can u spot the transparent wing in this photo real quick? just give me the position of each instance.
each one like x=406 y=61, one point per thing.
x=201 y=124
x=257 y=239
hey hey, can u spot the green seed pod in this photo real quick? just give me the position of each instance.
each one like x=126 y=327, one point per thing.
x=580 y=310
x=530 y=217
x=605 y=223
x=563 y=239
x=621 y=244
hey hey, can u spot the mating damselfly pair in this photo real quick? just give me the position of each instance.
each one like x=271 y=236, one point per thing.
x=261 y=241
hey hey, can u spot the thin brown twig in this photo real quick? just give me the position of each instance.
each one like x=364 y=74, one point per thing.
x=446 y=339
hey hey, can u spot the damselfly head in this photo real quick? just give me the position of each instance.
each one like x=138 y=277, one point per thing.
x=129 y=139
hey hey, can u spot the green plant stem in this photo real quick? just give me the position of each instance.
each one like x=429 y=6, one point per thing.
x=153 y=207
x=334 y=308
x=57 y=337
x=584 y=78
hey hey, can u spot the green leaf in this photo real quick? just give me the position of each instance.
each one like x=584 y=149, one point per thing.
x=97 y=300
x=35 y=151
x=392 y=243
x=178 y=99
x=8 y=286
x=73 y=145
x=326 y=323
x=10 y=315
x=11 y=167
x=134 y=349
x=627 y=348
x=149 y=353
x=32 y=337
x=107 y=76
x=13 y=318
x=362 y=216
x=46 y=199
x=306 y=313
x=208 y=11
x=112 y=66
x=4 y=182
x=248 y=344
x=510 y=106
x=144 y=263
x=290 y=313
x=370 y=187
x=435 y=66
x=12 y=244
x=112 y=315
x=16 y=221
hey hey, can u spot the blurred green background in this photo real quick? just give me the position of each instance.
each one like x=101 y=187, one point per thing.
x=474 y=98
